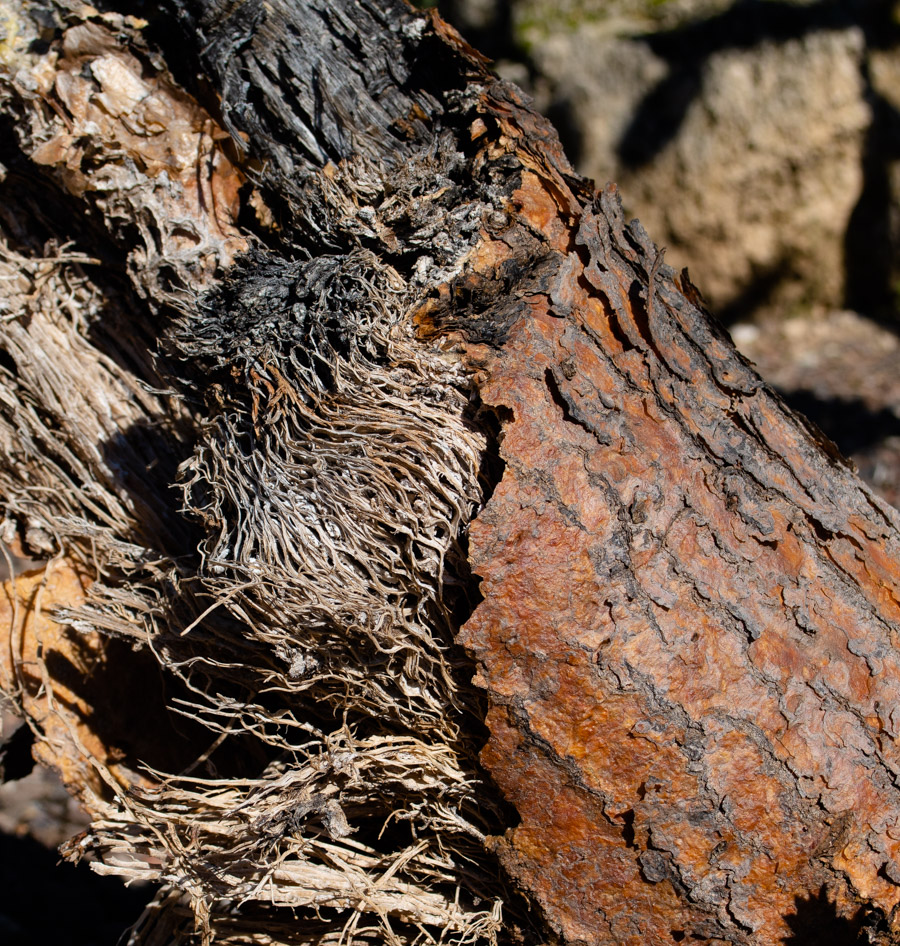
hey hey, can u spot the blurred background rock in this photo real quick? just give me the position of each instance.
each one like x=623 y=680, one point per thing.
x=759 y=142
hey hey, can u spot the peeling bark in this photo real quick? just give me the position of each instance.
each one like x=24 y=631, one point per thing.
x=688 y=632
x=438 y=342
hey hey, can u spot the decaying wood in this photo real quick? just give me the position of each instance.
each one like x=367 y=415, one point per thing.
x=394 y=346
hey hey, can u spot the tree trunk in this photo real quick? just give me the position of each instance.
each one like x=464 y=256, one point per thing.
x=313 y=264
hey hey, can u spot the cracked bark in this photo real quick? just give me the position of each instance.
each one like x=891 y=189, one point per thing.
x=687 y=636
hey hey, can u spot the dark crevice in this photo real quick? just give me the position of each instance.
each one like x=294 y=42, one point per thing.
x=571 y=412
x=490 y=422
x=817 y=921
x=615 y=326
x=16 y=760
x=639 y=295
x=8 y=363
x=628 y=834
x=559 y=399
x=45 y=901
x=265 y=223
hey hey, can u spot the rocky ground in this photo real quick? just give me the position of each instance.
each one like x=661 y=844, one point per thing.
x=840 y=369
x=758 y=140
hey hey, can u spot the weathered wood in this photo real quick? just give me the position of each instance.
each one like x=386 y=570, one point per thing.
x=689 y=624
x=688 y=632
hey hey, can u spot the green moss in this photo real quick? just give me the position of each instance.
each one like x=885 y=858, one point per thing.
x=542 y=20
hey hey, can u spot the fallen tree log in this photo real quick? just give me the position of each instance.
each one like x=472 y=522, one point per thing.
x=454 y=446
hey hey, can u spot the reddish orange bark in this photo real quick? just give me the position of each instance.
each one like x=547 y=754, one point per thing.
x=689 y=629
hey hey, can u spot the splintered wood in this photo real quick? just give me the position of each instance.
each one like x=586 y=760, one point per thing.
x=53 y=700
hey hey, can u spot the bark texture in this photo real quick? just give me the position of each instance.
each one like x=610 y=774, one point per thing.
x=441 y=358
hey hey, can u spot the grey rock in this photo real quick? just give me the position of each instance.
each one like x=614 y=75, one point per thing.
x=753 y=138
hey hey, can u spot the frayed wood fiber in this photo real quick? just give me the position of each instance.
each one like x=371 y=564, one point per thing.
x=333 y=471
x=333 y=467
x=265 y=499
